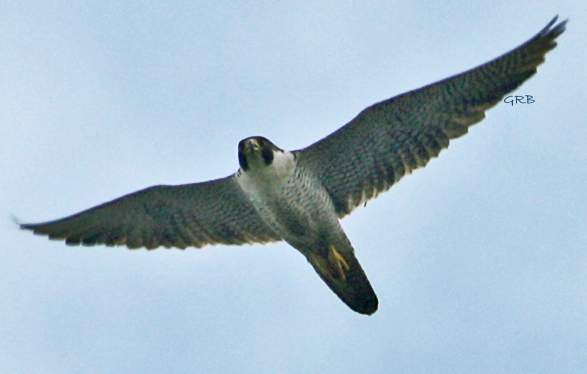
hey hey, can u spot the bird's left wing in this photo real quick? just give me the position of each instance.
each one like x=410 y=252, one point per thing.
x=389 y=139
x=213 y=212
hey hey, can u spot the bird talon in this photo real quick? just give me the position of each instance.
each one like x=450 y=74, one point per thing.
x=338 y=262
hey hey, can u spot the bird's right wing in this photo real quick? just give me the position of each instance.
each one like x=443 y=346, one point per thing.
x=213 y=212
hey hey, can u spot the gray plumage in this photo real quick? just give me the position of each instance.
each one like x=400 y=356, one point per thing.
x=213 y=212
x=390 y=139
x=299 y=196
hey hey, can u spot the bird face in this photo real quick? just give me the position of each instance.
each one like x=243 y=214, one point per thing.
x=263 y=160
x=256 y=152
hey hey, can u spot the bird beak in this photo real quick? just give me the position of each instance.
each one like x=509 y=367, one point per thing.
x=253 y=145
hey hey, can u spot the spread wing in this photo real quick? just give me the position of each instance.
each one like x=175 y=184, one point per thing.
x=390 y=139
x=213 y=212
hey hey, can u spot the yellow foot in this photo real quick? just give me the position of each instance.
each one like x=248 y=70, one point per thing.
x=338 y=263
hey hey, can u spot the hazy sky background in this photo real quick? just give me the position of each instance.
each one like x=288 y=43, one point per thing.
x=479 y=260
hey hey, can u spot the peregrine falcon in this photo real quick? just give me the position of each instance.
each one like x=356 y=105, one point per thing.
x=300 y=196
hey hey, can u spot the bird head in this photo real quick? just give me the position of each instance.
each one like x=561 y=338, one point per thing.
x=256 y=152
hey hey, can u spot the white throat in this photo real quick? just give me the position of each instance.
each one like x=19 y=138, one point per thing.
x=282 y=166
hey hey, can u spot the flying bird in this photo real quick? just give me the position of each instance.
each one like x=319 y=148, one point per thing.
x=300 y=196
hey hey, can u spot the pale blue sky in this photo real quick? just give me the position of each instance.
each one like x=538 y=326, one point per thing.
x=479 y=260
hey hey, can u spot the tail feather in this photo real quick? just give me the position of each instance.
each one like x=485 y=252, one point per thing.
x=346 y=279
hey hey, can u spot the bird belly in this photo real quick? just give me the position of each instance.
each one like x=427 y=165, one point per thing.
x=294 y=208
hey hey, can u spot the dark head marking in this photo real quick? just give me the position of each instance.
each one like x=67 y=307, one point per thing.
x=266 y=152
x=242 y=160
x=255 y=144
